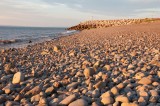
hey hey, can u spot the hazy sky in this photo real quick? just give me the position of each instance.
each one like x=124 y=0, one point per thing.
x=70 y=12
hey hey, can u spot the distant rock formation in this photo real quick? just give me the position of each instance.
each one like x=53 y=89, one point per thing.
x=108 y=23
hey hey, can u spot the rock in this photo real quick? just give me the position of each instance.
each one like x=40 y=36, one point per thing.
x=100 y=85
x=96 y=104
x=2 y=99
x=116 y=104
x=139 y=75
x=88 y=72
x=8 y=89
x=120 y=86
x=45 y=53
x=145 y=80
x=73 y=85
x=96 y=93
x=122 y=99
x=153 y=99
x=49 y=90
x=42 y=101
x=35 y=90
x=35 y=98
x=158 y=73
x=7 y=68
x=142 y=100
x=56 y=48
x=11 y=103
x=129 y=104
x=96 y=65
x=6 y=77
x=143 y=93
x=115 y=91
x=130 y=66
x=107 y=100
x=18 y=97
x=106 y=94
x=79 y=102
x=154 y=93
x=18 y=77
x=68 y=99
x=107 y=67
x=155 y=62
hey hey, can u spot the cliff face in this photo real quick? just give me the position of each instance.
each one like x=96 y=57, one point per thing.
x=108 y=23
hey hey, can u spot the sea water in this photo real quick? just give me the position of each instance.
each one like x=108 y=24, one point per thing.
x=15 y=37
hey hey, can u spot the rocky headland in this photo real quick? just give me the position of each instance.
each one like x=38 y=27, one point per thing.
x=114 y=66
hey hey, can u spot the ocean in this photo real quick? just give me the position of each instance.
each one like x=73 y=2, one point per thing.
x=16 y=37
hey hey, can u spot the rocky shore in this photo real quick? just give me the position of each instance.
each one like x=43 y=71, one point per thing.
x=115 y=66
x=110 y=23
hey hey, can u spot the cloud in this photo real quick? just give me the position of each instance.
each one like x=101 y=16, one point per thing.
x=119 y=8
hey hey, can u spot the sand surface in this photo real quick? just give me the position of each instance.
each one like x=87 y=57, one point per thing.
x=117 y=66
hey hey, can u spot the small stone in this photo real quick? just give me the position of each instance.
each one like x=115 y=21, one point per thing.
x=35 y=98
x=106 y=94
x=100 y=85
x=49 y=90
x=34 y=91
x=7 y=68
x=115 y=90
x=44 y=53
x=142 y=100
x=2 y=99
x=153 y=99
x=88 y=72
x=158 y=73
x=145 y=80
x=130 y=67
x=129 y=104
x=139 y=75
x=120 y=86
x=107 y=67
x=73 y=85
x=42 y=100
x=143 y=93
x=96 y=93
x=56 y=48
x=107 y=100
x=68 y=100
x=96 y=104
x=18 y=77
x=122 y=98
x=7 y=89
x=116 y=104
x=154 y=93
x=79 y=102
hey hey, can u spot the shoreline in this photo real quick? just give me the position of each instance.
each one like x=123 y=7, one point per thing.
x=97 y=67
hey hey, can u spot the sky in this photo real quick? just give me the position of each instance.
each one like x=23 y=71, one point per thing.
x=65 y=13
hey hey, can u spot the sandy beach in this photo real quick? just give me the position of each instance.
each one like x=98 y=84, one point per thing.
x=114 y=66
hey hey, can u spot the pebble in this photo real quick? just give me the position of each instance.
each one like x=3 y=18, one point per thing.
x=129 y=104
x=122 y=98
x=18 y=77
x=107 y=100
x=145 y=81
x=73 y=85
x=88 y=72
x=79 y=102
x=68 y=99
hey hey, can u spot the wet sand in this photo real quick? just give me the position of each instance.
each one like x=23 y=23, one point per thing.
x=114 y=66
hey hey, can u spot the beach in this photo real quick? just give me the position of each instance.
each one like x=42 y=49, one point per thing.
x=113 y=66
